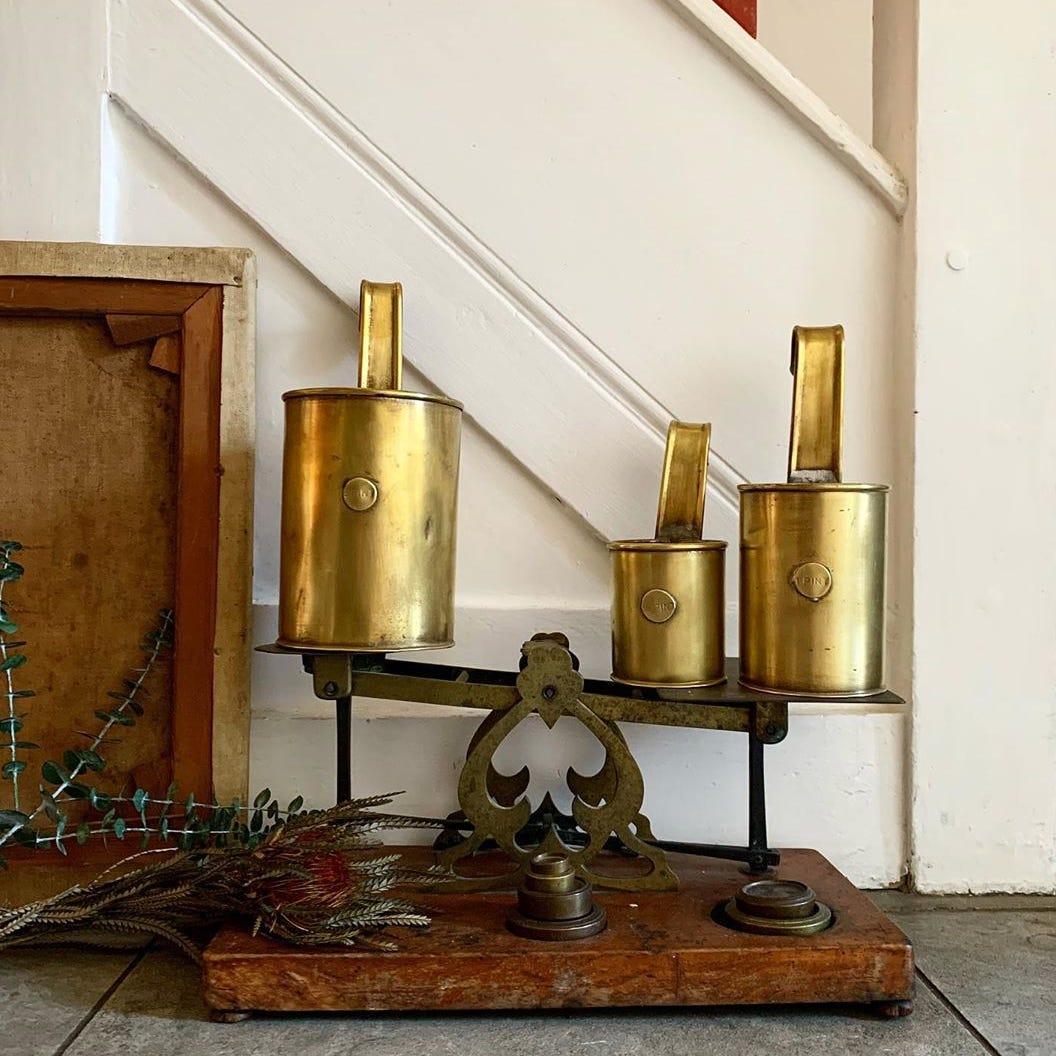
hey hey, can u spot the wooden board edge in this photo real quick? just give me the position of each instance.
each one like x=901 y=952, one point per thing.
x=323 y=982
x=232 y=647
x=215 y=266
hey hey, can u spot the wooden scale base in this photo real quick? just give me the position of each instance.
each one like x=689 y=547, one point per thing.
x=660 y=948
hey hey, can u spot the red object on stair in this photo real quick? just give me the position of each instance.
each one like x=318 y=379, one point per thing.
x=742 y=11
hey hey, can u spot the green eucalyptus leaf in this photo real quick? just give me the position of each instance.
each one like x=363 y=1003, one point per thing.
x=10 y=724
x=83 y=832
x=163 y=828
x=109 y=816
x=144 y=843
x=26 y=744
x=22 y=693
x=257 y=822
x=262 y=798
x=71 y=759
x=60 y=828
x=115 y=716
x=92 y=760
x=13 y=767
x=295 y=804
x=75 y=790
x=99 y=800
x=139 y=798
x=12 y=662
x=52 y=772
x=11 y=818
x=26 y=836
x=119 y=828
x=7 y=627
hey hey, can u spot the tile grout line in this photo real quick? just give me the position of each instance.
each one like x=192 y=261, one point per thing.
x=987 y=1044
x=103 y=999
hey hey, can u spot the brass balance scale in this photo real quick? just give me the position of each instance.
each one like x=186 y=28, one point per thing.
x=370 y=478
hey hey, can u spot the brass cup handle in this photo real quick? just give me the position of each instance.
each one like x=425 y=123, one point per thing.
x=380 y=335
x=815 y=448
x=680 y=512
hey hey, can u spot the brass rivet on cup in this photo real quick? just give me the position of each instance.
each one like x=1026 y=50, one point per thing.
x=359 y=493
x=812 y=579
x=658 y=606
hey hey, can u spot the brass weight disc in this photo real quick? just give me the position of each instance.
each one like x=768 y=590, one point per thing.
x=819 y=920
x=556 y=930
x=777 y=907
x=553 y=903
x=776 y=899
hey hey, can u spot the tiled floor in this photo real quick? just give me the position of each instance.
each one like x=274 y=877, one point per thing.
x=987 y=985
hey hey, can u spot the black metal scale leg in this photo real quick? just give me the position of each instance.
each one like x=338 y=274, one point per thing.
x=757 y=860
x=344 y=748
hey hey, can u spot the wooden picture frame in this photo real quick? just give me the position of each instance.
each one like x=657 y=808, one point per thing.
x=197 y=308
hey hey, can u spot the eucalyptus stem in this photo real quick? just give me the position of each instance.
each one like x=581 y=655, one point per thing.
x=9 y=571
x=159 y=639
x=12 y=733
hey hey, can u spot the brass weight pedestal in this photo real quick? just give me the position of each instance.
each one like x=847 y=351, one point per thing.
x=606 y=813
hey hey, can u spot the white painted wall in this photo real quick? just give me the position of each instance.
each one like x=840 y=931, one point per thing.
x=52 y=78
x=984 y=809
x=588 y=244
x=828 y=45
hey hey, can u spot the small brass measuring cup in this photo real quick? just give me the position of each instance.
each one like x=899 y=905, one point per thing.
x=668 y=607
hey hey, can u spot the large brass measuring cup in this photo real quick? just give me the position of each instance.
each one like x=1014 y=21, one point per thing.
x=812 y=549
x=369 y=494
x=668 y=592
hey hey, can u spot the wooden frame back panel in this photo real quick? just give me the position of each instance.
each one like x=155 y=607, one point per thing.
x=197 y=540
x=208 y=746
x=90 y=488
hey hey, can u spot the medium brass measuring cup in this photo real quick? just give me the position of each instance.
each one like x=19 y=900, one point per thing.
x=812 y=549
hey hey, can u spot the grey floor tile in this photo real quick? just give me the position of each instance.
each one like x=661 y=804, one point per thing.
x=158 y=1009
x=44 y=995
x=896 y=902
x=998 y=968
